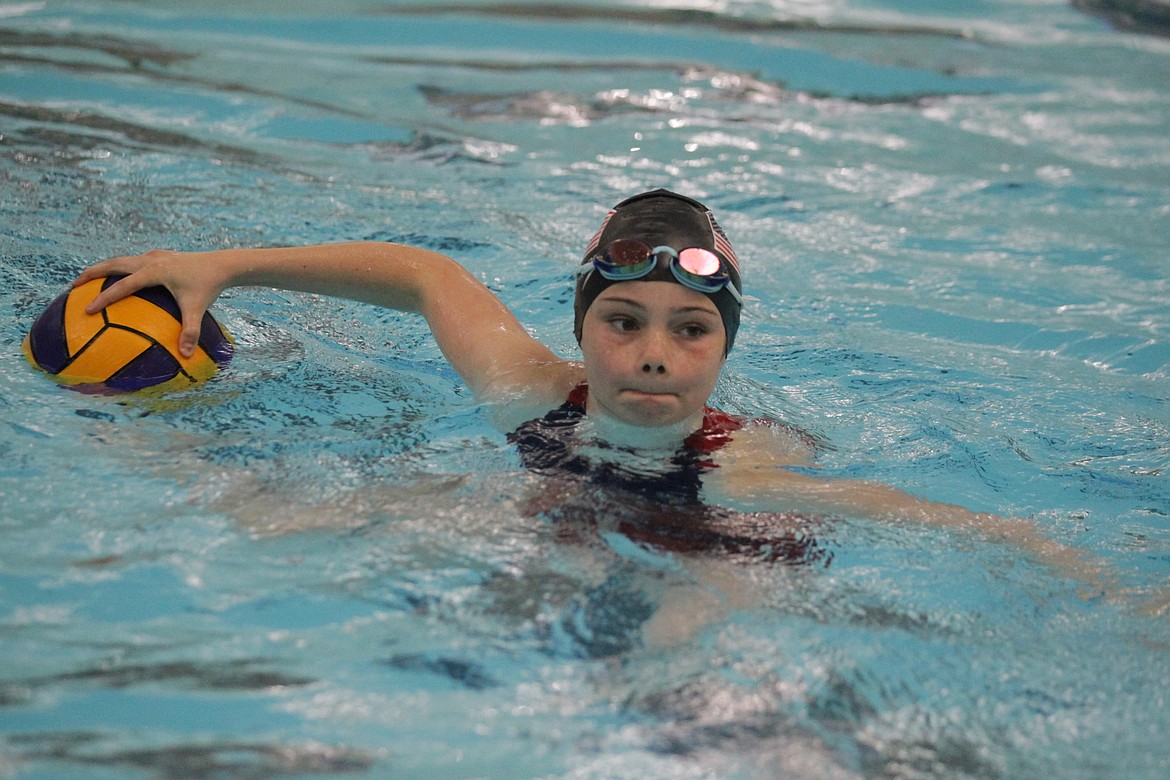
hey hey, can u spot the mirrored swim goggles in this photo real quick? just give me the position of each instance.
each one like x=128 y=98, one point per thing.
x=628 y=258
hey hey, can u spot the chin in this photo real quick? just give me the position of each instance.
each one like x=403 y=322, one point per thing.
x=645 y=410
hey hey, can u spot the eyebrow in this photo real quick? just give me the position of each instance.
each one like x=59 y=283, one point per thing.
x=638 y=305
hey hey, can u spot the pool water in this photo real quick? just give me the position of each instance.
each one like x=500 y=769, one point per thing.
x=953 y=221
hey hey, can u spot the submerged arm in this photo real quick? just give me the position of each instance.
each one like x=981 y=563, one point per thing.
x=753 y=472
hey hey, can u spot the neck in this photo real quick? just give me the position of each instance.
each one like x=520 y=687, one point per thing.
x=601 y=425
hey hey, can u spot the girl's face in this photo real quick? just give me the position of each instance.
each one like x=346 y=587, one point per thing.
x=652 y=351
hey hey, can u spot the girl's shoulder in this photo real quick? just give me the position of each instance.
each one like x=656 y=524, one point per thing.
x=533 y=391
x=760 y=442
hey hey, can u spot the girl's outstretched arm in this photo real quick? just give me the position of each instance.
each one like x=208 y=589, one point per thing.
x=477 y=333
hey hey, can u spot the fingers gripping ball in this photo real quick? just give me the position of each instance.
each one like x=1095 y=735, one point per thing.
x=132 y=344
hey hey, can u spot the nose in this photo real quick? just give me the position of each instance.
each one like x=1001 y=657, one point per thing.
x=654 y=353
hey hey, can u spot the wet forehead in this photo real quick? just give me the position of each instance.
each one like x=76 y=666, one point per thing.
x=657 y=296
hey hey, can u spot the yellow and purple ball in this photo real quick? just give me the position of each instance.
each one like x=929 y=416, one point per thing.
x=130 y=345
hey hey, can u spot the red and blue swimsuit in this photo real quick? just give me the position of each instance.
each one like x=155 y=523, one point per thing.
x=662 y=509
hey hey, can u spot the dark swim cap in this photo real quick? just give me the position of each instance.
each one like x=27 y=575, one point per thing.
x=662 y=218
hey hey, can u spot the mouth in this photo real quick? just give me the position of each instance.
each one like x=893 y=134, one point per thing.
x=639 y=393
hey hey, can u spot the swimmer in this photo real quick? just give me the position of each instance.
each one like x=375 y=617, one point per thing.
x=656 y=313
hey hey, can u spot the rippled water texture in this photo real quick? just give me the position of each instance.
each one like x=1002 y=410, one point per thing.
x=953 y=220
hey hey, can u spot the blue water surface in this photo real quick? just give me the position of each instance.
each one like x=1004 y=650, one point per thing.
x=953 y=221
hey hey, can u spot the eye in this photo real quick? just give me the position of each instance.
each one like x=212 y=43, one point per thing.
x=693 y=331
x=622 y=323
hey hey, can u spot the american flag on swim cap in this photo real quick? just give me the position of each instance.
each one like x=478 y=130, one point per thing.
x=593 y=242
x=722 y=245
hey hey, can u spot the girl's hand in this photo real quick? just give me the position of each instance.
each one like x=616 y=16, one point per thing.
x=193 y=278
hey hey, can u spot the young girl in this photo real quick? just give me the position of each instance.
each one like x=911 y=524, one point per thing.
x=658 y=300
